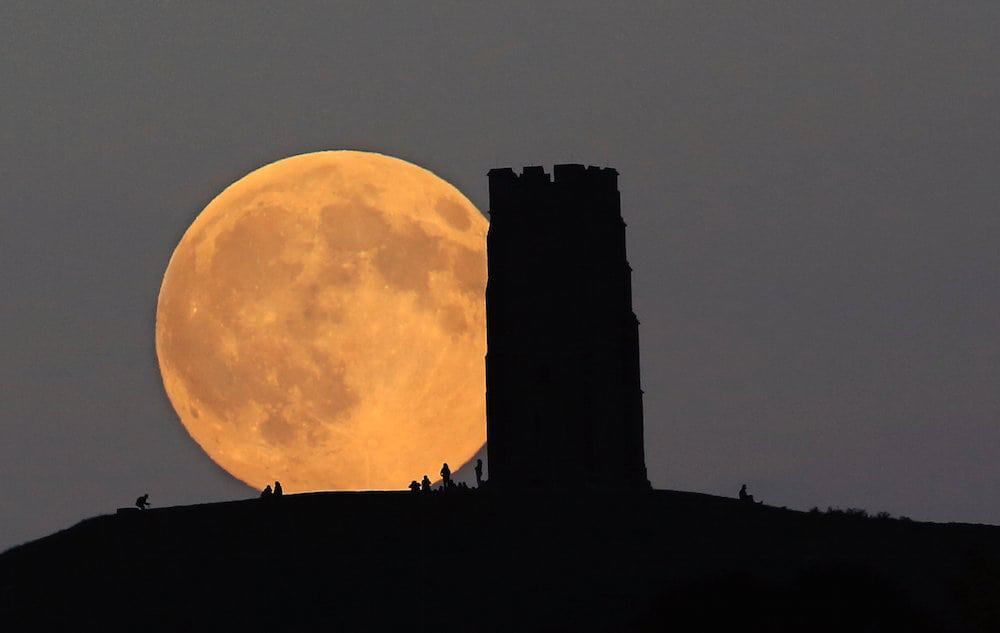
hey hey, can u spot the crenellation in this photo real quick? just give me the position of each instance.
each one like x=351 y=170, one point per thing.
x=564 y=173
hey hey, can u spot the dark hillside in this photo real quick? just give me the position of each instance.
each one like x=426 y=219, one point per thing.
x=485 y=562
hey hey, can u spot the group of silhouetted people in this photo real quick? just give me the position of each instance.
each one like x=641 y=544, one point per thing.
x=447 y=483
x=269 y=493
x=423 y=486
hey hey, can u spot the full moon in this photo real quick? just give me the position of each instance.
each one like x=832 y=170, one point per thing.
x=322 y=323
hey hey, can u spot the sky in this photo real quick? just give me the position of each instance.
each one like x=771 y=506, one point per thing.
x=811 y=192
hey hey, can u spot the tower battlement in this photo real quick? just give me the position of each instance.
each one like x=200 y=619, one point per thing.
x=566 y=173
x=510 y=189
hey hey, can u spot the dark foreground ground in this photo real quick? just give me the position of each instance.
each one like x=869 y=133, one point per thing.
x=661 y=561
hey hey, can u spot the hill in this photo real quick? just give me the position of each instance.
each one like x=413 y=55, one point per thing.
x=486 y=562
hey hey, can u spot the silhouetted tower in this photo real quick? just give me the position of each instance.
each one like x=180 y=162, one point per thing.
x=563 y=399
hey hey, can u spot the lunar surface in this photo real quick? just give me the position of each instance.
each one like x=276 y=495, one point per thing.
x=322 y=322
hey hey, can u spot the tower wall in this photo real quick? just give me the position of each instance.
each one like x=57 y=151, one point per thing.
x=563 y=399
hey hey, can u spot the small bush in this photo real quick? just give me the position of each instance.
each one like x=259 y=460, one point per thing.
x=855 y=513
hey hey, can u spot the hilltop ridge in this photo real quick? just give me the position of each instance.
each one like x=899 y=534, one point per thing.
x=481 y=561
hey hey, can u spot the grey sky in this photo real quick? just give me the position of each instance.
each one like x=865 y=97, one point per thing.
x=811 y=190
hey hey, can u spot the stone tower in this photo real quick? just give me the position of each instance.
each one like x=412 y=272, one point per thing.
x=563 y=399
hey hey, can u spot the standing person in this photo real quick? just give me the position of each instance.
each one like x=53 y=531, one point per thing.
x=277 y=489
x=445 y=476
x=425 y=484
x=479 y=473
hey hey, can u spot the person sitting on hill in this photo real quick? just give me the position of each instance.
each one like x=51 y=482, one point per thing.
x=266 y=492
x=142 y=502
x=747 y=497
x=414 y=486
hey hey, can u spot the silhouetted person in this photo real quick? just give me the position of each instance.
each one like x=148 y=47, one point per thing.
x=277 y=489
x=479 y=473
x=266 y=492
x=142 y=502
x=445 y=476
x=425 y=484
x=414 y=486
x=747 y=497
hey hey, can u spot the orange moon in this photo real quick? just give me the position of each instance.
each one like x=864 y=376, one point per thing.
x=322 y=322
